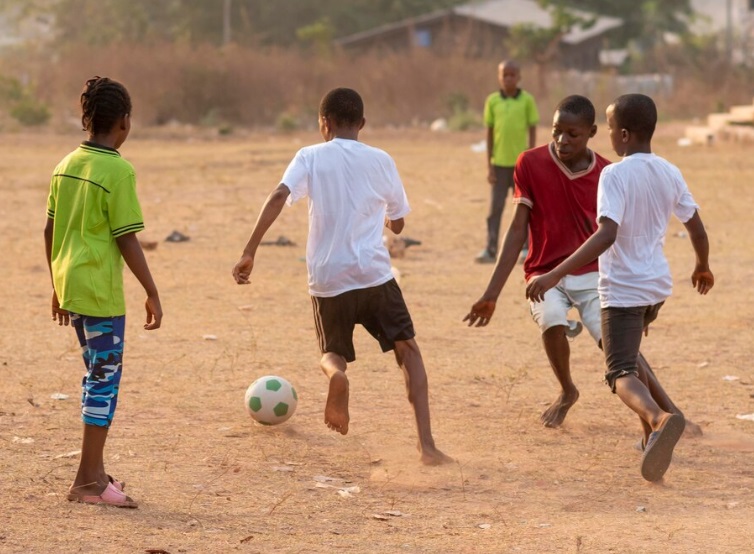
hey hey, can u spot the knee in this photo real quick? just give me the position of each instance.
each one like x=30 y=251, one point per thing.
x=406 y=351
x=331 y=361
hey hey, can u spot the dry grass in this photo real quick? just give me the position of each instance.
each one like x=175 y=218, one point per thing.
x=210 y=481
x=252 y=87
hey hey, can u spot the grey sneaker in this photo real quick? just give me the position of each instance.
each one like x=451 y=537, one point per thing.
x=573 y=329
x=485 y=257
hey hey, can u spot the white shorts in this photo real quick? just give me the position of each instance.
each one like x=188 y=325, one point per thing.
x=572 y=291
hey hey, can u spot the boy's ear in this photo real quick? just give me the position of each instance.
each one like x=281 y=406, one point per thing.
x=625 y=135
x=593 y=131
x=124 y=122
x=363 y=122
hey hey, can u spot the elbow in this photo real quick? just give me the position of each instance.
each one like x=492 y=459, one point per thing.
x=396 y=225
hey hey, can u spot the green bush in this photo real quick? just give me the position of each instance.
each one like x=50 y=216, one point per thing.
x=29 y=111
x=286 y=122
x=11 y=91
x=463 y=121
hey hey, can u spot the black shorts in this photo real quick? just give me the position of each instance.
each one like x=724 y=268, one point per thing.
x=622 y=330
x=381 y=310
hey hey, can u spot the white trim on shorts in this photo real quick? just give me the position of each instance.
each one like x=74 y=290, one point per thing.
x=572 y=291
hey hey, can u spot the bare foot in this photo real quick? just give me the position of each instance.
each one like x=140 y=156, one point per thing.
x=336 y=408
x=433 y=457
x=556 y=413
x=692 y=429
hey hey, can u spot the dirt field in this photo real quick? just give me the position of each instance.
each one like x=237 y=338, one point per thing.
x=209 y=480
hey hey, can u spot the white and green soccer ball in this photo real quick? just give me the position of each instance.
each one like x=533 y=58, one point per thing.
x=271 y=400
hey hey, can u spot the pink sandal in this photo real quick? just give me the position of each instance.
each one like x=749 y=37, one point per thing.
x=111 y=496
x=120 y=485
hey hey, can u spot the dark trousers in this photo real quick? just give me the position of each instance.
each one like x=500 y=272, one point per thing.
x=503 y=184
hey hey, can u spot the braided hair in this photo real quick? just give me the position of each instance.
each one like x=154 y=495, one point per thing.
x=103 y=102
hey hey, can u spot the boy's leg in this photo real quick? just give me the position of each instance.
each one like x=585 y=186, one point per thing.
x=622 y=329
x=551 y=316
x=334 y=319
x=410 y=360
x=503 y=183
x=336 y=408
x=662 y=398
x=559 y=354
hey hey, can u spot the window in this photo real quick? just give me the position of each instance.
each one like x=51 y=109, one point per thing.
x=423 y=37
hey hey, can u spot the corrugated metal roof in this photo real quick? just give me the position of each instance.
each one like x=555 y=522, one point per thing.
x=502 y=13
x=507 y=13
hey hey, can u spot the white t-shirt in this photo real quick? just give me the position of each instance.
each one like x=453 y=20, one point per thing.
x=351 y=188
x=639 y=193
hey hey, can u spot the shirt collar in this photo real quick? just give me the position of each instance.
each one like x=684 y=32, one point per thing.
x=91 y=144
x=516 y=95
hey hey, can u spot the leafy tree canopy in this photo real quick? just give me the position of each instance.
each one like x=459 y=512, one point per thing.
x=253 y=22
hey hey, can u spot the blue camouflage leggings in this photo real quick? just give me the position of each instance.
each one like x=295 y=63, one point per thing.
x=101 y=340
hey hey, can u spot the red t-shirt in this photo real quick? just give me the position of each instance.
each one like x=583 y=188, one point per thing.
x=563 y=207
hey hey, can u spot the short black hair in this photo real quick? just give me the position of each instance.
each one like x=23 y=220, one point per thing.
x=344 y=105
x=636 y=113
x=103 y=103
x=579 y=106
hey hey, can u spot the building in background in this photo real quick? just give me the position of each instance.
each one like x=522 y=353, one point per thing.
x=481 y=29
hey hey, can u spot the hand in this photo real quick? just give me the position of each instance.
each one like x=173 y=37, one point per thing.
x=58 y=314
x=481 y=312
x=154 y=313
x=491 y=177
x=242 y=269
x=703 y=280
x=539 y=285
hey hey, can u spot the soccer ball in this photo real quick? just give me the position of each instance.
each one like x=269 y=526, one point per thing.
x=271 y=400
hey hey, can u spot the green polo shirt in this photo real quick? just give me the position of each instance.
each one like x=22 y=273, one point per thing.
x=92 y=202
x=510 y=118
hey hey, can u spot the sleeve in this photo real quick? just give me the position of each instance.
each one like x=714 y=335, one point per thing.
x=611 y=203
x=521 y=179
x=52 y=199
x=297 y=178
x=397 y=203
x=489 y=116
x=123 y=209
x=532 y=115
x=685 y=207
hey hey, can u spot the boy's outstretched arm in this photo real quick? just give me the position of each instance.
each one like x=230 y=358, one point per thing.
x=270 y=211
x=482 y=310
x=702 y=277
x=595 y=245
x=58 y=314
x=133 y=255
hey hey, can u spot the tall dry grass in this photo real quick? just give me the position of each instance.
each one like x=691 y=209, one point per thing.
x=256 y=87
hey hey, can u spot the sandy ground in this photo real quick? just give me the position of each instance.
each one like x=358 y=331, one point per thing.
x=210 y=480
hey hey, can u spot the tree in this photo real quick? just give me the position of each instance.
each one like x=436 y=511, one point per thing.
x=248 y=22
x=644 y=21
x=540 y=44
